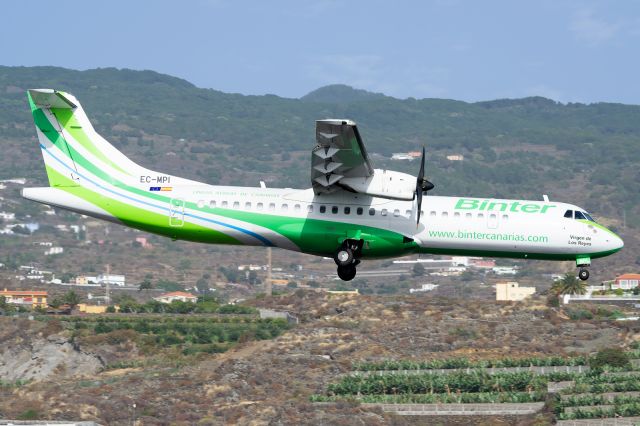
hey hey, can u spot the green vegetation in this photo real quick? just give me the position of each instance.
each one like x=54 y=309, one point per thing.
x=193 y=333
x=466 y=363
x=609 y=370
x=442 y=398
x=459 y=382
x=614 y=357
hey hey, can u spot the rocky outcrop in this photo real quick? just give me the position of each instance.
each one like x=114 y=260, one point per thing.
x=35 y=357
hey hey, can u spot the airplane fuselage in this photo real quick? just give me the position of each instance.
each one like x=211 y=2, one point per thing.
x=301 y=221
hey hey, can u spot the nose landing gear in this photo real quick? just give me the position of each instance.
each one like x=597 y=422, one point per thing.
x=346 y=257
x=583 y=274
x=582 y=262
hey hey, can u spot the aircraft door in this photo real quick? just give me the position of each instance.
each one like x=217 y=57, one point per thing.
x=493 y=220
x=176 y=212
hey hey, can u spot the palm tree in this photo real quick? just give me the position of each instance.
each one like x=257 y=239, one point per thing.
x=570 y=284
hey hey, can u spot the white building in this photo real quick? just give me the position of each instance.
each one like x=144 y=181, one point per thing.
x=111 y=279
x=511 y=291
x=505 y=270
x=424 y=288
x=53 y=250
x=7 y=216
x=176 y=295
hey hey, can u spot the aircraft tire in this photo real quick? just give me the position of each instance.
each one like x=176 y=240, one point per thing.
x=344 y=256
x=347 y=272
x=583 y=274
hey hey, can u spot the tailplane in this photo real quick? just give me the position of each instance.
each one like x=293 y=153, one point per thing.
x=73 y=151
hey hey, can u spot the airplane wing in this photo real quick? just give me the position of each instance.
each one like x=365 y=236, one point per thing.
x=339 y=154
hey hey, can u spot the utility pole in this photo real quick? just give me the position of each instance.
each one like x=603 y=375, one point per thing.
x=107 y=296
x=267 y=287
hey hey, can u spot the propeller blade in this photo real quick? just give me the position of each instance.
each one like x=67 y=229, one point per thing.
x=419 y=187
x=419 y=203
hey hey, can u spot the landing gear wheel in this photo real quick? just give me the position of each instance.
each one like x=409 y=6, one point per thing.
x=344 y=256
x=583 y=274
x=347 y=272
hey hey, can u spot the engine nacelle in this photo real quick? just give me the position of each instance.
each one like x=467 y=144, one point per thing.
x=383 y=184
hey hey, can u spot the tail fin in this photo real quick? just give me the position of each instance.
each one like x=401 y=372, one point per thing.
x=71 y=148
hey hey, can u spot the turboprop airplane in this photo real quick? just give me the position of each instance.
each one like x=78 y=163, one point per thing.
x=352 y=212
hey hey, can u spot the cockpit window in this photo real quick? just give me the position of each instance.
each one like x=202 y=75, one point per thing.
x=568 y=214
x=579 y=215
x=588 y=216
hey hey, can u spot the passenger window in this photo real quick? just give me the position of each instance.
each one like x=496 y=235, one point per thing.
x=247 y=206
x=432 y=214
x=334 y=209
x=445 y=214
x=296 y=208
x=236 y=204
x=347 y=210
x=396 y=213
x=310 y=208
x=200 y=204
x=323 y=209
x=579 y=215
x=224 y=204
x=468 y=215
x=456 y=215
x=492 y=216
x=259 y=206
x=480 y=216
x=372 y=212
x=359 y=211
x=407 y=213
x=383 y=212
x=285 y=207
x=568 y=214
x=272 y=206
x=212 y=204
x=505 y=217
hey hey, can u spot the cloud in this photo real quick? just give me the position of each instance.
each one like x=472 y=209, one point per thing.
x=591 y=29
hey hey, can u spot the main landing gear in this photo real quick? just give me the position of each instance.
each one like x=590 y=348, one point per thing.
x=346 y=258
x=582 y=262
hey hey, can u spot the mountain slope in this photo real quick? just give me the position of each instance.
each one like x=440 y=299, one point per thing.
x=587 y=154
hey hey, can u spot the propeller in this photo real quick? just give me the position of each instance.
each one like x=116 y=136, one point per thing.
x=422 y=185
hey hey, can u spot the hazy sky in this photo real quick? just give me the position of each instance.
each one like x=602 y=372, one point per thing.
x=585 y=51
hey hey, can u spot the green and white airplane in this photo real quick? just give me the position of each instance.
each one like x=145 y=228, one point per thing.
x=352 y=211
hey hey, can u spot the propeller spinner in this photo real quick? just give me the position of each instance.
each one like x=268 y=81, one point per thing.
x=422 y=186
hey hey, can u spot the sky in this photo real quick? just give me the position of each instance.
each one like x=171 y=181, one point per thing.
x=570 y=51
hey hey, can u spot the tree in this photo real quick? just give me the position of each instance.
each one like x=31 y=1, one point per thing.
x=203 y=284
x=71 y=298
x=569 y=284
x=145 y=285
x=418 y=270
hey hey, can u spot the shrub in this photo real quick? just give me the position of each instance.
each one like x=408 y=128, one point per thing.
x=614 y=357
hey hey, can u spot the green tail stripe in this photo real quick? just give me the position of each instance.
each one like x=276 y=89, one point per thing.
x=68 y=121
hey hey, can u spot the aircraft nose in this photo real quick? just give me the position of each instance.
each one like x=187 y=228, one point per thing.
x=617 y=243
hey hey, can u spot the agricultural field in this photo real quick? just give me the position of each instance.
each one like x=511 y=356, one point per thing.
x=600 y=386
x=189 y=333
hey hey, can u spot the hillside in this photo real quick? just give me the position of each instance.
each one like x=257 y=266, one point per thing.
x=585 y=154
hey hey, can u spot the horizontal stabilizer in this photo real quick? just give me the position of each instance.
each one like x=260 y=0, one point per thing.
x=49 y=98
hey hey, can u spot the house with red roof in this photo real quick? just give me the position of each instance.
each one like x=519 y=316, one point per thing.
x=626 y=282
